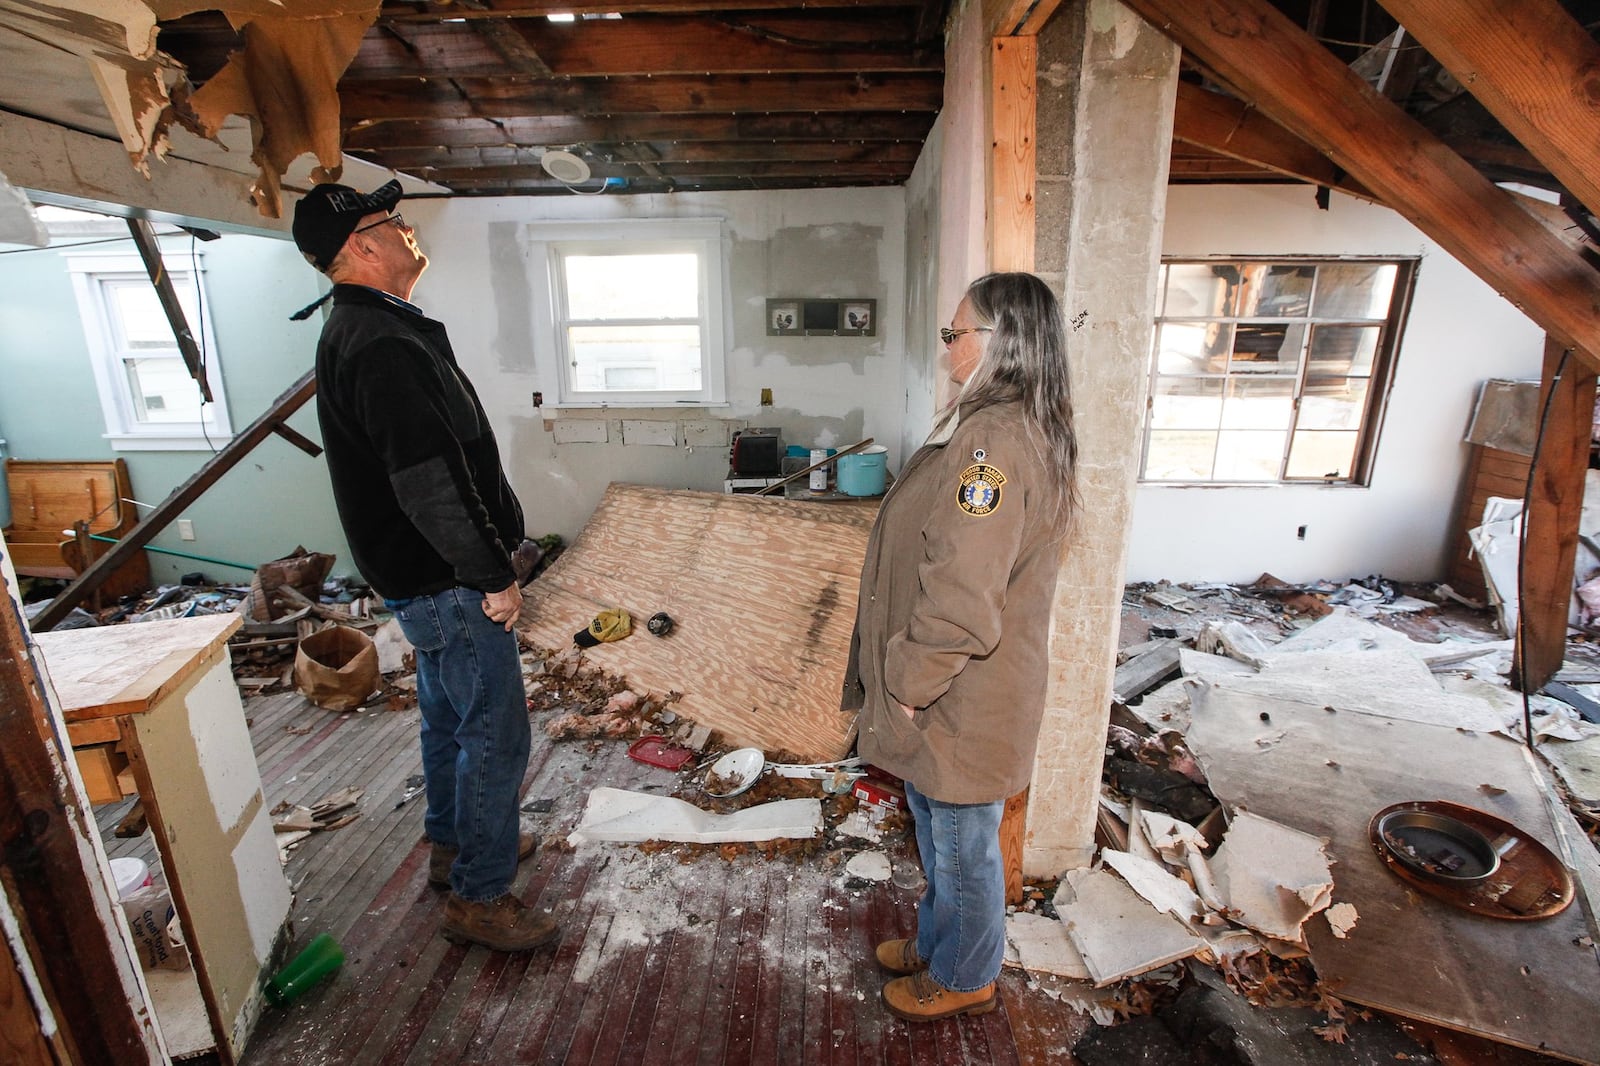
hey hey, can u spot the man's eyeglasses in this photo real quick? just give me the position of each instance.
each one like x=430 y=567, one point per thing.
x=397 y=220
x=947 y=334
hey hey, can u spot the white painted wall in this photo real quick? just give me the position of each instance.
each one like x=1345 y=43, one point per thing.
x=1460 y=332
x=809 y=243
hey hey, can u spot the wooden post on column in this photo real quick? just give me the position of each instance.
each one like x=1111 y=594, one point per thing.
x=1013 y=826
x=1554 y=509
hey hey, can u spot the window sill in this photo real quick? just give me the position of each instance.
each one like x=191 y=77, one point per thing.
x=166 y=442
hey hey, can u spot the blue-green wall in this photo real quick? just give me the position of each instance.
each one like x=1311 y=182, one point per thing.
x=277 y=497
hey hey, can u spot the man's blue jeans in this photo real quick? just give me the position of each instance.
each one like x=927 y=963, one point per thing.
x=961 y=921
x=475 y=735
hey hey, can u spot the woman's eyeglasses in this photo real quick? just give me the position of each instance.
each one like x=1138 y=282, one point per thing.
x=397 y=220
x=947 y=334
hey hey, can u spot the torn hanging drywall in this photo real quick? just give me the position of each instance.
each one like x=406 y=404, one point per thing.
x=286 y=80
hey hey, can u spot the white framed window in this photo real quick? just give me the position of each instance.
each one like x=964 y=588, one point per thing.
x=635 y=311
x=1272 y=371
x=149 y=401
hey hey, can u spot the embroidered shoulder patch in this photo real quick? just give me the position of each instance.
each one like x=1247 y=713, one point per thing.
x=979 y=494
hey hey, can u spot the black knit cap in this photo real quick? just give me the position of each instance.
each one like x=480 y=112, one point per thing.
x=327 y=215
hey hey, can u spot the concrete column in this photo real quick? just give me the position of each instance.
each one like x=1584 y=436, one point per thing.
x=1106 y=85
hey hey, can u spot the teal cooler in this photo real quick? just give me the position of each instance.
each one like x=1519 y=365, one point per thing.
x=863 y=473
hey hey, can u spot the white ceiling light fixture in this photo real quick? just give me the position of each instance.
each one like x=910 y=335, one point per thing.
x=564 y=166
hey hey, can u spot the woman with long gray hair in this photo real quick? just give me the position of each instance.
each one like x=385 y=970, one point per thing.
x=949 y=660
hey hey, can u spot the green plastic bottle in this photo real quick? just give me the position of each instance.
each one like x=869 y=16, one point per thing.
x=320 y=958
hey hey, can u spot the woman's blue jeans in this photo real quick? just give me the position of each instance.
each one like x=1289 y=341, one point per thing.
x=475 y=735
x=961 y=921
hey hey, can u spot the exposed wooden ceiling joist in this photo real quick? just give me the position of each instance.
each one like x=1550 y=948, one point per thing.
x=1287 y=74
x=672 y=94
x=909 y=127
x=1533 y=66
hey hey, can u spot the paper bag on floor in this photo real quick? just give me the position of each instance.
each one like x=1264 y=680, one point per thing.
x=336 y=668
x=154 y=925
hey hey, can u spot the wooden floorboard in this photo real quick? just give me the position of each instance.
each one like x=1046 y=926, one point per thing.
x=711 y=962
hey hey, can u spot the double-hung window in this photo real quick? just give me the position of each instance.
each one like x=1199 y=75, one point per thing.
x=1272 y=370
x=147 y=395
x=635 y=314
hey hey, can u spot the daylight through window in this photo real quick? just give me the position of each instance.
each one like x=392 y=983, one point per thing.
x=1271 y=371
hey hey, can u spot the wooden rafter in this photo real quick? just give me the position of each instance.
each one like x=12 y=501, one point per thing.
x=1233 y=128
x=910 y=127
x=1533 y=66
x=1303 y=87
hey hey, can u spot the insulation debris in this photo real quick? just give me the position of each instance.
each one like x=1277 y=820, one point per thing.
x=869 y=866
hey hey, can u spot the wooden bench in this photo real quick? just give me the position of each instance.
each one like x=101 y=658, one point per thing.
x=54 y=508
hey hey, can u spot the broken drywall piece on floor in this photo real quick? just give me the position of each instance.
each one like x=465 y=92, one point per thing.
x=392 y=646
x=1138 y=844
x=1166 y=707
x=1234 y=639
x=862 y=825
x=1206 y=665
x=1578 y=764
x=1169 y=836
x=1272 y=877
x=1342 y=918
x=1156 y=884
x=1115 y=930
x=1041 y=945
x=618 y=815
x=869 y=866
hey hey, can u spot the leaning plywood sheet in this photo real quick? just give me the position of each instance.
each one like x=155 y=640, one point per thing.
x=1326 y=772
x=762 y=593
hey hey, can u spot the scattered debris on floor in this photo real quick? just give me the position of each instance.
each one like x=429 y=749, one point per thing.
x=1256 y=735
x=293 y=823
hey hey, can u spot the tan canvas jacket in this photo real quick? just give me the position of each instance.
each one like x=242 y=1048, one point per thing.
x=954 y=616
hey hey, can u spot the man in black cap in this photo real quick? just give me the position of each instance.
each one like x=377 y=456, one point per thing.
x=432 y=524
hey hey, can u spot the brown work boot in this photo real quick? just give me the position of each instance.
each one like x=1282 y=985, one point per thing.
x=504 y=924
x=900 y=956
x=919 y=998
x=441 y=858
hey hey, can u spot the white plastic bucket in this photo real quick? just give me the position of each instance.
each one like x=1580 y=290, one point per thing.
x=863 y=473
x=130 y=875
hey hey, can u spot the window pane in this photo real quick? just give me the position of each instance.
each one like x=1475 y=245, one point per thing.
x=1261 y=403
x=1193 y=347
x=1277 y=290
x=1187 y=403
x=1342 y=350
x=1354 y=290
x=615 y=357
x=162 y=390
x=1333 y=403
x=139 y=319
x=1322 y=453
x=1267 y=348
x=1249 y=455
x=633 y=286
x=1202 y=289
x=1180 y=455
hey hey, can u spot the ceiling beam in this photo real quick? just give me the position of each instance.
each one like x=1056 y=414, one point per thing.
x=1301 y=85
x=1533 y=66
x=1233 y=128
x=440 y=12
x=494 y=98
x=419 y=160
x=577 y=129
x=623 y=169
x=652 y=45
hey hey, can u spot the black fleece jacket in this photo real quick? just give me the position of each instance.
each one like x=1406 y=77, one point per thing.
x=416 y=472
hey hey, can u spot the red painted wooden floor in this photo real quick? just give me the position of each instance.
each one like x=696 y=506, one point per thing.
x=661 y=961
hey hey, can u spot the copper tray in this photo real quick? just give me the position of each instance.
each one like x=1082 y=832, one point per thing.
x=1530 y=883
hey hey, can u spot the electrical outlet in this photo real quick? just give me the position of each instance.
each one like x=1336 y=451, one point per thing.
x=185 y=529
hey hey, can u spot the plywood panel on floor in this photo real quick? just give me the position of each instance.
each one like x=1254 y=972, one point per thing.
x=1529 y=983
x=763 y=593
